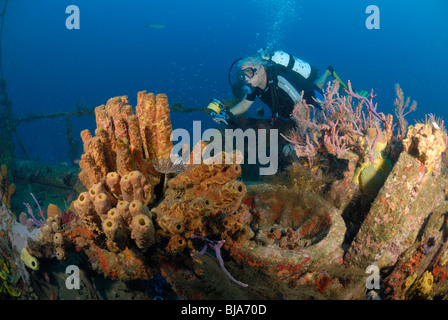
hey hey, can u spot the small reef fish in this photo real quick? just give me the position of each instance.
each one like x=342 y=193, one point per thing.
x=155 y=25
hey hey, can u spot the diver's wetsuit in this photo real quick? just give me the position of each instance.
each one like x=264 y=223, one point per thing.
x=288 y=86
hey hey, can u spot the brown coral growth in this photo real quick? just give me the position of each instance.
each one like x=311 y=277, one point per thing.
x=204 y=199
x=6 y=188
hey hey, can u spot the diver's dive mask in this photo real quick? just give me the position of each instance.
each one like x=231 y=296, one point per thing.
x=246 y=72
x=237 y=79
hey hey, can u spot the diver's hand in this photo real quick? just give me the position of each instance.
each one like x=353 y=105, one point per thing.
x=219 y=120
x=224 y=117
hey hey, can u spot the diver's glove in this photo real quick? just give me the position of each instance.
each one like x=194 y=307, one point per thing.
x=224 y=117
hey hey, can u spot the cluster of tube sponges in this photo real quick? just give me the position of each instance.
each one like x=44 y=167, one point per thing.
x=52 y=234
x=117 y=168
x=122 y=220
x=204 y=199
x=115 y=225
x=112 y=221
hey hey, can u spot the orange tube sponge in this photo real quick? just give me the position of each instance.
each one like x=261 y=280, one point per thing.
x=102 y=204
x=114 y=214
x=127 y=142
x=136 y=208
x=46 y=237
x=176 y=243
x=136 y=143
x=196 y=226
x=61 y=253
x=155 y=125
x=53 y=211
x=126 y=188
x=115 y=234
x=113 y=182
x=227 y=197
x=98 y=151
x=58 y=239
x=229 y=173
x=96 y=189
x=194 y=175
x=161 y=128
x=90 y=173
x=11 y=190
x=170 y=225
x=109 y=148
x=232 y=193
x=125 y=163
x=138 y=182
x=145 y=103
x=85 y=209
x=83 y=205
x=6 y=189
x=134 y=187
x=85 y=137
x=135 y=139
x=198 y=207
x=55 y=226
x=142 y=231
x=200 y=198
x=123 y=210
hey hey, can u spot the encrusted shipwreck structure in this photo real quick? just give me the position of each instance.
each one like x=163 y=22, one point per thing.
x=402 y=171
x=363 y=191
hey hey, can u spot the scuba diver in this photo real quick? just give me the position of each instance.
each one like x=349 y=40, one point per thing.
x=278 y=79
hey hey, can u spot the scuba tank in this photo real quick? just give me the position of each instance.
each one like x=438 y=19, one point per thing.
x=290 y=62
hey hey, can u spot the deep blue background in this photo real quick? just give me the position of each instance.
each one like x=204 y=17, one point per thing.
x=49 y=67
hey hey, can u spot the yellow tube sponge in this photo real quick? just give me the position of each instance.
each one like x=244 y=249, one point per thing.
x=114 y=214
x=30 y=261
x=61 y=253
x=113 y=182
x=85 y=209
x=136 y=208
x=115 y=234
x=123 y=210
x=142 y=231
x=134 y=186
x=102 y=204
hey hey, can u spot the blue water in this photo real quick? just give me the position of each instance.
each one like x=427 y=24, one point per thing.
x=48 y=67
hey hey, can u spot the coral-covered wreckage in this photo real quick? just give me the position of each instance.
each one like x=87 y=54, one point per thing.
x=363 y=193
